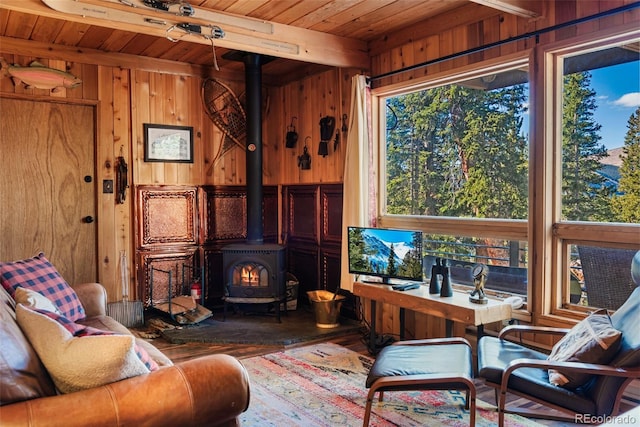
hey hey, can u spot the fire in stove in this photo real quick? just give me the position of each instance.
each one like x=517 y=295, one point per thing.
x=254 y=274
x=250 y=275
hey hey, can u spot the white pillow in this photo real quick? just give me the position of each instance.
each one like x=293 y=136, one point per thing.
x=78 y=363
x=35 y=299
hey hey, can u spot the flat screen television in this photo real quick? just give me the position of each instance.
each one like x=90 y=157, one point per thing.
x=386 y=253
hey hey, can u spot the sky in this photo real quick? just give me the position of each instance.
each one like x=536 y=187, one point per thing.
x=617 y=95
x=391 y=235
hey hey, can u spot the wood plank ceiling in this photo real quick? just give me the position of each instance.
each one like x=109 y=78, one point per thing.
x=316 y=34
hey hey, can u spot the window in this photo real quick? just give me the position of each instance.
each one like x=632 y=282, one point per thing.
x=593 y=157
x=507 y=260
x=601 y=135
x=458 y=163
x=459 y=149
x=600 y=276
x=456 y=160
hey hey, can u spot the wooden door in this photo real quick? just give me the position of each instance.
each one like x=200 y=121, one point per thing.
x=47 y=188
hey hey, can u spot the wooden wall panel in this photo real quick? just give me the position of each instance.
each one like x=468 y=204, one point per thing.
x=168 y=100
x=272 y=136
x=217 y=169
x=166 y=216
x=158 y=289
x=224 y=214
x=303 y=263
x=213 y=263
x=331 y=215
x=111 y=238
x=270 y=214
x=309 y=100
x=330 y=269
x=302 y=216
x=123 y=215
x=392 y=52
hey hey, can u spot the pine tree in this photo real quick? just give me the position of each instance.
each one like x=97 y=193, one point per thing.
x=413 y=170
x=357 y=250
x=457 y=151
x=584 y=195
x=495 y=182
x=626 y=205
x=412 y=262
x=392 y=268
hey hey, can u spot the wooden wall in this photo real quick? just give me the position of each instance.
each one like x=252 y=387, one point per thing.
x=169 y=93
x=126 y=98
x=327 y=94
x=473 y=26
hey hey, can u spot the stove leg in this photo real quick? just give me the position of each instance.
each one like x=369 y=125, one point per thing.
x=278 y=312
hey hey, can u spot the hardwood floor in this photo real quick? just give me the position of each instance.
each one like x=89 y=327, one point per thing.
x=355 y=342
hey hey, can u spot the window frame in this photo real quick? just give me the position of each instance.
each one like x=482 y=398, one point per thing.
x=552 y=237
x=548 y=238
x=509 y=229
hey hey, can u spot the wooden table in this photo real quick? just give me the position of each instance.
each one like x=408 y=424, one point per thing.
x=456 y=308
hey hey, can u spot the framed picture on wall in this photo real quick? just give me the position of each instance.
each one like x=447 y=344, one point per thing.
x=167 y=143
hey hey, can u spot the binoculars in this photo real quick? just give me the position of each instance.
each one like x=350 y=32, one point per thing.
x=438 y=270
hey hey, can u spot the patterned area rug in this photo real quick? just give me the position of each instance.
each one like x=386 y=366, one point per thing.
x=323 y=385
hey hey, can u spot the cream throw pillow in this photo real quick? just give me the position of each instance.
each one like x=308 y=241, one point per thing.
x=593 y=340
x=78 y=363
x=35 y=299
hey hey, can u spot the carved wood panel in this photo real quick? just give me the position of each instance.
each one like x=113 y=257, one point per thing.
x=224 y=214
x=312 y=222
x=157 y=285
x=270 y=214
x=167 y=215
x=331 y=214
x=301 y=216
x=302 y=262
x=330 y=269
x=212 y=258
x=330 y=279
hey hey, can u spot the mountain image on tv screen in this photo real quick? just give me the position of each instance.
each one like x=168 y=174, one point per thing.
x=385 y=252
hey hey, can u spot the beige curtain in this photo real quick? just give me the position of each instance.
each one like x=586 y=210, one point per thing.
x=360 y=175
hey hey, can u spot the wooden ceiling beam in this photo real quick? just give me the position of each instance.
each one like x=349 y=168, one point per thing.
x=313 y=46
x=523 y=8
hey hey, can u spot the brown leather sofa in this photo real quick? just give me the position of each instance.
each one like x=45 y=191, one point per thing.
x=211 y=390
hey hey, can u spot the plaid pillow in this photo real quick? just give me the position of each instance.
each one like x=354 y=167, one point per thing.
x=78 y=330
x=39 y=275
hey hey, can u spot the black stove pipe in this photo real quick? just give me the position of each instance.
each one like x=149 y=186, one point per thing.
x=253 y=88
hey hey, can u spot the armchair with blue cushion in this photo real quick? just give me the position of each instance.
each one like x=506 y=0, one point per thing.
x=511 y=367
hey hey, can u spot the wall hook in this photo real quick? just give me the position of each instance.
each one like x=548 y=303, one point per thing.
x=304 y=160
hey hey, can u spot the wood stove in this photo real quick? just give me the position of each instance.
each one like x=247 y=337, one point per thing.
x=255 y=274
x=254 y=271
